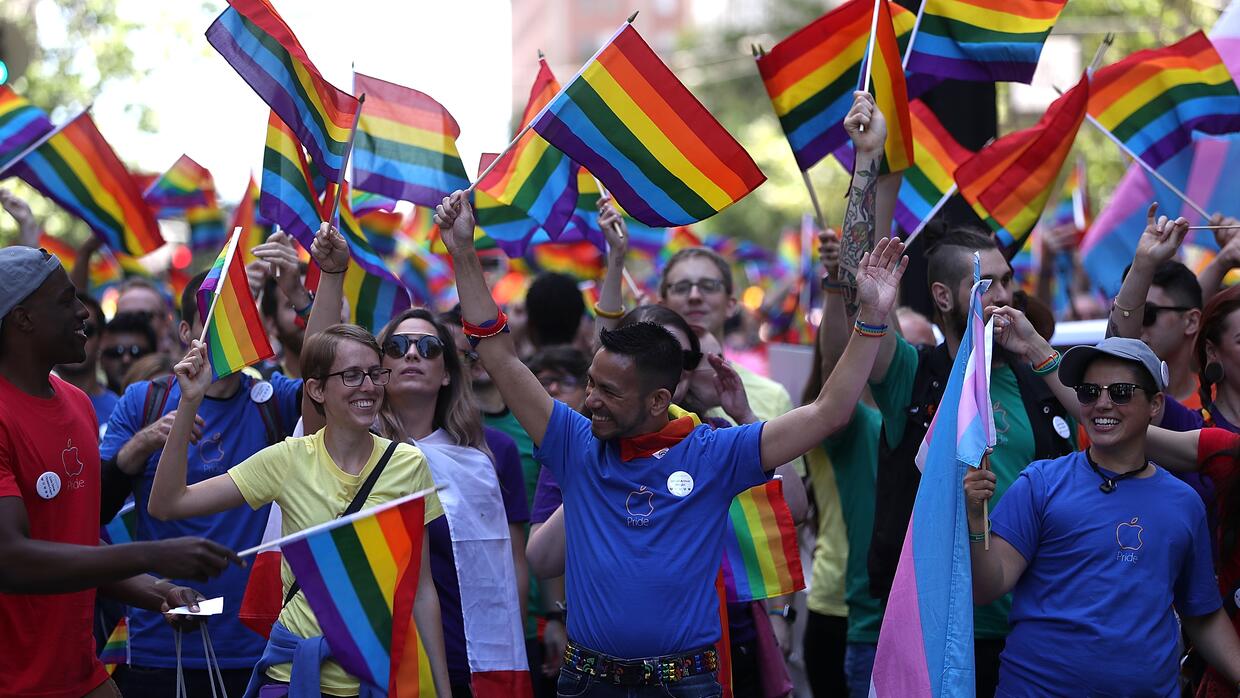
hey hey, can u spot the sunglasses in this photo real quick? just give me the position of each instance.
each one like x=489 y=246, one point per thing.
x=684 y=288
x=123 y=350
x=565 y=382
x=353 y=377
x=428 y=345
x=1152 y=310
x=1120 y=393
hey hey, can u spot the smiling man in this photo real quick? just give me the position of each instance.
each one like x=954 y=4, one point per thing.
x=1101 y=544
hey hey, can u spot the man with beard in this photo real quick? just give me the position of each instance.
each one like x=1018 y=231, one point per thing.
x=85 y=375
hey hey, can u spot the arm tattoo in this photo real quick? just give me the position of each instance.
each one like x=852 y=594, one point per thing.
x=859 y=230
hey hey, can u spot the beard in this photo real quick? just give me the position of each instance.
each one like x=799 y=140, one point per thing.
x=292 y=341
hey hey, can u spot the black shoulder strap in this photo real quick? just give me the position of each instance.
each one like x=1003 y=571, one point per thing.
x=273 y=425
x=354 y=506
x=156 y=399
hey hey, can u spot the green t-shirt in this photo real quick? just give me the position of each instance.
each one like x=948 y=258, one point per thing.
x=854 y=460
x=507 y=423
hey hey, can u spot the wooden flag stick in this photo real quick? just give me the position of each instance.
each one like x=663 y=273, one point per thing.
x=869 y=53
x=813 y=199
x=219 y=286
x=908 y=50
x=357 y=117
x=1153 y=172
x=986 y=503
x=628 y=278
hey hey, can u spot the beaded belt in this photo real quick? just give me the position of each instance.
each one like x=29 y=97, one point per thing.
x=640 y=672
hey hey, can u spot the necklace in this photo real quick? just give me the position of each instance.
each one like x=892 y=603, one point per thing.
x=1109 y=483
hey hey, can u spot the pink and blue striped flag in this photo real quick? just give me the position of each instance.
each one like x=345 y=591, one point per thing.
x=925 y=645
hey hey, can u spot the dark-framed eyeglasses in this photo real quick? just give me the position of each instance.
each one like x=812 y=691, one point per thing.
x=1120 y=393
x=563 y=380
x=686 y=286
x=692 y=359
x=120 y=351
x=352 y=377
x=428 y=345
x=1153 y=309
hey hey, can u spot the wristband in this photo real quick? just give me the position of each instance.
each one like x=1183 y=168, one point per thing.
x=609 y=314
x=865 y=329
x=1048 y=366
x=490 y=328
x=1127 y=312
x=305 y=312
x=979 y=537
x=324 y=271
x=787 y=612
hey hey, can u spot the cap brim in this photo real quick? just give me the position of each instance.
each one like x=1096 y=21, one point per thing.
x=1075 y=360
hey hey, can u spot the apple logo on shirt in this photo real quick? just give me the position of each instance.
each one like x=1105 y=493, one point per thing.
x=1128 y=536
x=639 y=505
x=70 y=460
x=211 y=451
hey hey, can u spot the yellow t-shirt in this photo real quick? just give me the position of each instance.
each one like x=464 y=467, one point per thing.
x=300 y=476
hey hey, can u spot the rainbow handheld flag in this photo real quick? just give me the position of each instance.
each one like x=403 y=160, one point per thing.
x=929 y=182
x=890 y=92
x=381 y=228
x=1009 y=182
x=21 y=124
x=245 y=216
x=104 y=269
x=186 y=185
x=428 y=278
x=925 y=646
x=364 y=202
x=256 y=42
x=628 y=120
x=406 y=144
x=76 y=168
x=811 y=75
x=375 y=295
x=122 y=528
x=206 y=227
x=288 y=198
x=1153 y=100
x=234 y=331
x=760 y=555
x=983 y=40
x=580 y=260
x=116 y=650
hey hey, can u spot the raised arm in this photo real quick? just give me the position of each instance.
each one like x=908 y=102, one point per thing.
x=1014 y=332
x=791 y=434
x=611 y=294
x=522 y=392
x=27 y=226
x=1158 y=243
x=331 y=252
x=1228 y=257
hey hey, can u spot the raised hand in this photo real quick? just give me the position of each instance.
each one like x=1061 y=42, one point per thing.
x=20 y=211
x=865 y=114
x=615 y=231
x=878 y=279
x=455 y=218
x=330 y=250
x=1014 y=332
x=194 y=373
x=1161 y=238
x=731 y=390
x=280 y=256
x=1227 y=233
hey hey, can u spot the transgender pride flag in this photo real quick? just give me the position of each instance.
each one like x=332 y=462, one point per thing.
x=925 y=647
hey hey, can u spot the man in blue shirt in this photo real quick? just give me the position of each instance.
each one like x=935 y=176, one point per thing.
x=1101 y=549
x=234 y=422
x=646 y=497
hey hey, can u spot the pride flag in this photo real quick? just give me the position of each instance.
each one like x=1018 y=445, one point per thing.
x=428 y=278
x=76 y=168
x=256 y=42
x=929 y=182
x=628 y=120
x=1073 y=206
x=925 y=646
x=116 y=650
x=381 y=228
x=186 y=185
x=360 y=579
x=373 y=293
x=406 y=144
x=122 y=528
x=1009 y=182
x=234 y=330
x=679 y=238
x=580 y=260
x=104 y=269
x=364 y=202
x=287 y=197
x=245 y=216
x=760 y=555
x=890 y=92
x=983 y=40
x=21 y=124
x=1154 y=99
x=206 y=227
x=811 y=75
x=508 y=227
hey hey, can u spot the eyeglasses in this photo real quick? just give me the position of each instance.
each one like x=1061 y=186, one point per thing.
x=1152 y=310
x=684 y=288
x=429 y=346
x=565 y=382
x=352 y=377
x=122 y=350
x=692 y=359
x=1120 y=393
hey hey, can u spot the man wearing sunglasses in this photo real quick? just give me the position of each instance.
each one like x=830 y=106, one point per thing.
x=1102 y=544
x=122 y=341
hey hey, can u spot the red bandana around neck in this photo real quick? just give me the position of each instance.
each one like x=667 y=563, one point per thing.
x=647 y=445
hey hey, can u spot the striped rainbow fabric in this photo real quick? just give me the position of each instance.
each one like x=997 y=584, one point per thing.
x=811 y=75
x=508 y=227
x=760 y=556
x=21 y=124
x=245 y=216
x=929 y=182
x=890 y=92
x=580 y=260
x=628 y=120
x=364 y=202
x=360 y=580
x=186 y=185
x=77 y=169
x=206 y=227
x=234 y=333
x=983 y=40
x=116 y=650
x=406 y=144
x=104 y=270
x=1009 y=182
x=375 y=295
x=1153 y=100
x=287 y=197
x=256 y=42
x=122 y=528
x=428 y=278
x=381 y=229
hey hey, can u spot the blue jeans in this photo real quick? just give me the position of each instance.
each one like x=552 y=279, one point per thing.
x=858 y=664
x=574 y=684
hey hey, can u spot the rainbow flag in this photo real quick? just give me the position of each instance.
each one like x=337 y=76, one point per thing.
x=116 y=650
x=234 y=333
x=104 y=269
x=364 y=202
x=929 y=182
x=21 y=124
x=245 y=216
x=760 y=555
x=1009 y=182
x=628 y=120
x=123 y=528
x=1153 y=100
x=374 y=294
x=288 y=198
x=580 y=260
x=1073 y=207
x=428 y=278
x=76 y=168
x=679 y=238
x=890 y=92
x=406 y=144
x=206 y=227
x=419 y=226
x=983 y=40
x=360 y=579
x=381 y=228
x=256 y=42
x=186 y=185
x=925 y=646
x=811 y=75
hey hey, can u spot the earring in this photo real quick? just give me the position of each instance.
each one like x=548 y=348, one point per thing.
x=1213 y=372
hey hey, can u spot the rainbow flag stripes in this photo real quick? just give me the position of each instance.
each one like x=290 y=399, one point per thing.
x=580 y=260
x=1153 y=100
x=256 y=42
x=122 y=528
x=234 y=332
x=930 y=180
x=406 y=144
x=21 y=124
x=760 y=557
x=253 y=232
x=380 y=229
x=890 y=92
x=288 y=198
x=375 y=295
x=78 y=170
x=628 y=120
x=186 y=185
x=983 y=40
x=206 y=227
x=116 y=651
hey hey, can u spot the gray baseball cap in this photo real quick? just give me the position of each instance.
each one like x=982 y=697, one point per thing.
x=1072 y=368
x=22 y=271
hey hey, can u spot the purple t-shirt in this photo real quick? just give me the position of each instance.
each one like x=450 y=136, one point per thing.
x=547 y=497
x=443 y=563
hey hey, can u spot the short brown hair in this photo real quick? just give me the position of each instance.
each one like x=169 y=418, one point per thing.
x=319 y=352
x=725 y=269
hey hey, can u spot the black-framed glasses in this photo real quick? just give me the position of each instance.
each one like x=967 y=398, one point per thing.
x=692 y=359
x=428 y=345
x=120 y=351
x=1153 y=309
x=1120 y=393
x=352 y=377
x=685 y=287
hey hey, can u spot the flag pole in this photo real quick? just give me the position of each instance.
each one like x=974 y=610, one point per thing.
x=1153 y=172
x=908 y=50
x=215 y=297
x=869 y=52
x=628 y=278
x=43 y=139
x=813 y=199
x=986 y=502
x=344 y=165
x=934 y=211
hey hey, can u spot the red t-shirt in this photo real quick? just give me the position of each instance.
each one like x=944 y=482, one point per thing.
x=49 y=649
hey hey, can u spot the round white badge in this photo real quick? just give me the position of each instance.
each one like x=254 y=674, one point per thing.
x=261 y=392
x=48 y=485
x=680 y=483
x=1061 y=426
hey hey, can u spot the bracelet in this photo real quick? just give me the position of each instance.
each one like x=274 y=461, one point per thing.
x=609 y=314
x=490 y=328
x=865 y=329
x=324 y=271
x=977 y=537
x=1126 y=311
x=1050 y=365
x=305 y=312
x=557 y=616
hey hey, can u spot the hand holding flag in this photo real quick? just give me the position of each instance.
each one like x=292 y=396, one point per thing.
x=194 y=373
x=866 y=126
x=330 y=250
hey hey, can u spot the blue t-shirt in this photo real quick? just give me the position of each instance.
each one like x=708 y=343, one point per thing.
x=645 y=537
x=104 y=403
x=234 y=431
x=1092 y=613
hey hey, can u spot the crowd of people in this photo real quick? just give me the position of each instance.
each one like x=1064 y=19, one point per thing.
x=586 y=460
